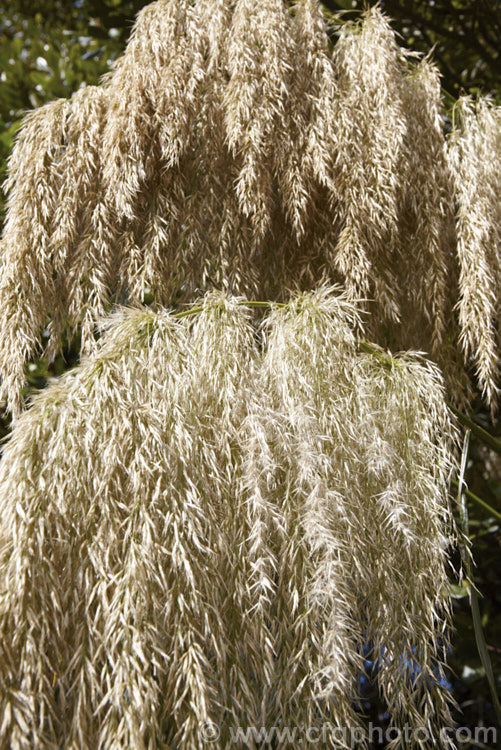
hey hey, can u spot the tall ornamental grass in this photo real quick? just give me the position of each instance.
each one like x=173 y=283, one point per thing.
x=234 y=146
x=207 y=521
x=221 y=514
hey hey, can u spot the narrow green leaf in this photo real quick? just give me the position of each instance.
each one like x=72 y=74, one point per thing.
x=478 y=431
x=475 y=609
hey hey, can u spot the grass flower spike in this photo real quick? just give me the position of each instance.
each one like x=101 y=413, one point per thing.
x=203 y=524
x=235 y=147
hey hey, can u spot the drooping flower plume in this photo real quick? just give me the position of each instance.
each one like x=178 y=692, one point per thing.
x=234 y=146
x=474 y=154
x=207 y=521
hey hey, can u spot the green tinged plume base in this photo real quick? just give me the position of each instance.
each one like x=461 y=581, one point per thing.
x=208 y=521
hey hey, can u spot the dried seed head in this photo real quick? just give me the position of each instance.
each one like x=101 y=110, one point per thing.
x=474 y=155
x=231 y=149
x=196 y=528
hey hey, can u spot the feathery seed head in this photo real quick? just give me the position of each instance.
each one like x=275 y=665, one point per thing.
x=230 y=149
x=197 y=528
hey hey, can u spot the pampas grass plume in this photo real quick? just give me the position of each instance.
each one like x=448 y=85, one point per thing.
x=199 y=528
x=233 y=147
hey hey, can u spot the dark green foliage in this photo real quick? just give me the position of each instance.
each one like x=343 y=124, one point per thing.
x=470 y=685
